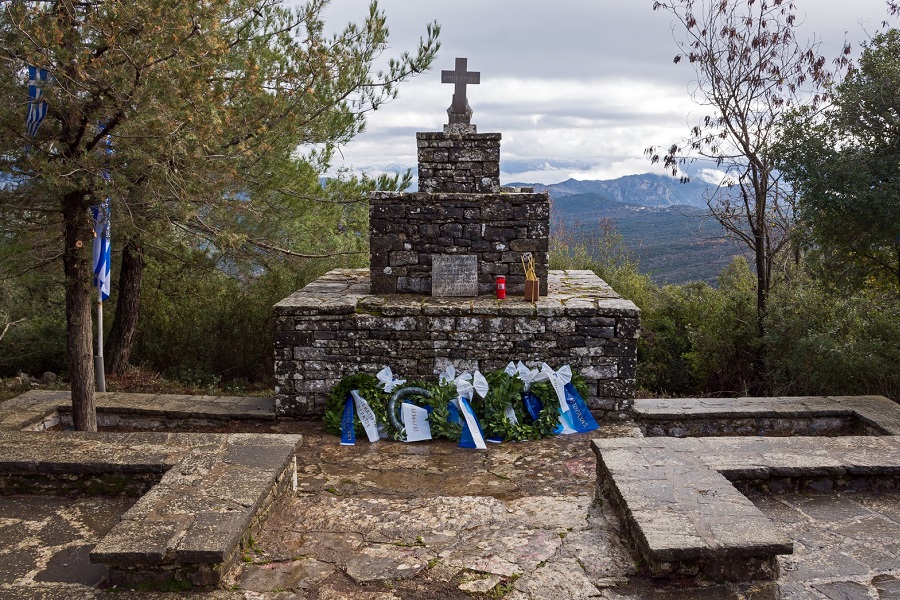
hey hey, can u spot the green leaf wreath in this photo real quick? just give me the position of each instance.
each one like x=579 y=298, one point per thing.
x=369 y=388
x=504 y=391
x=442 y=394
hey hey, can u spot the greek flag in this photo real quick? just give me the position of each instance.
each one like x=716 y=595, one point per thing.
x=101 y=234
x=101 y=248
x=37 y=108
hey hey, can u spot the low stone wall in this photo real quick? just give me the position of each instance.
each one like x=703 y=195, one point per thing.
x=682 y=502
x=788 y=416
x=459 y=162
x=406 y=230
x=202 y=495
x=334 y=327
x=681 y=505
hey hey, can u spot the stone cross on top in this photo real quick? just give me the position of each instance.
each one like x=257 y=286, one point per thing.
x=460 y=113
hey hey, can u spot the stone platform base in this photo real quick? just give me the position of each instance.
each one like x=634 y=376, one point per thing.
x=335 y=327
x=682 y=501
x=201 y=496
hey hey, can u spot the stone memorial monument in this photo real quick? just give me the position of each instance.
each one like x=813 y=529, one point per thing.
x=427 y=299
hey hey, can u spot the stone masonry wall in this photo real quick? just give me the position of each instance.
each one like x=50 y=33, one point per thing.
x=459 y=162
x=405 y=230
x=334 y=327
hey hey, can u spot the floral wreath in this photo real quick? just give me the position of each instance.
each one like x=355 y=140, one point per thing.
x=501 y=412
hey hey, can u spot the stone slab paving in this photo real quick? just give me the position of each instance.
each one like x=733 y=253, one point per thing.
x=411 y=521
x=201 y=495
x=846 y=546
x=433 y=521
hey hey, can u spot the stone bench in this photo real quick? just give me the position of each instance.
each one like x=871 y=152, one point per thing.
x=41 y=409
x=203 y=495
x=815 y=415
x=683 y=513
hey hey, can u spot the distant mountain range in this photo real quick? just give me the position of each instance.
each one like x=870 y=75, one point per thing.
x=665 y=223
x=647 y=189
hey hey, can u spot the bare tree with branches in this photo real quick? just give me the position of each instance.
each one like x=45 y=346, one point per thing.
x=750 y=69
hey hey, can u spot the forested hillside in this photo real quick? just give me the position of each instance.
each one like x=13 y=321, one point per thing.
x=673 y=244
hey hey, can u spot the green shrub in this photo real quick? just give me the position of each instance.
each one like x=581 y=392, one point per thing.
x=34 y=308
x=725 y=355
x=822 y=341
x=204 y=327
x=695 y=339
x=701 y=340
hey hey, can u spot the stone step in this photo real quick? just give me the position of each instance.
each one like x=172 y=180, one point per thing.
x=685 y=517
x=40 y=409
x=204 y=495
x=804 y=415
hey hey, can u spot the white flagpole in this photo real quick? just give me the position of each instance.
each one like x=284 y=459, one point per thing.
x=99 y=368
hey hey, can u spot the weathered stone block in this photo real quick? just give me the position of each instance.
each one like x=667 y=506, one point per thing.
x=416 y=336
x=445 y=223
x=403 y=258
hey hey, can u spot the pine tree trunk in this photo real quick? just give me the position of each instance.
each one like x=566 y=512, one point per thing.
x=128 y=304
x=79 y=276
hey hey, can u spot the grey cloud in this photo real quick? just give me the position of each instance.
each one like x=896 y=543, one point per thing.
x=551 y=43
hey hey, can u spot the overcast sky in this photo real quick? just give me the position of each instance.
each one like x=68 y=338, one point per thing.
x=578 y=88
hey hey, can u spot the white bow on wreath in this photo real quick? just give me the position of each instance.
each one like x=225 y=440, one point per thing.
x=559 y=379
x=386 y=377
x=467 y=385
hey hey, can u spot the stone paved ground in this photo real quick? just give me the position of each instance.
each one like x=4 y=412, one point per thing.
x=394 y=521
x=846 y=546
x=46 y=541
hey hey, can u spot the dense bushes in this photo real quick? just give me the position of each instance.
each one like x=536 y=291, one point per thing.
x=824 y=341
x=198 y=324
x=698 y=339
x=202 y=326
x=34 y=308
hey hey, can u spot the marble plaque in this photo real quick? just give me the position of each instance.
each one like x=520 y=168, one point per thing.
x=454 y=275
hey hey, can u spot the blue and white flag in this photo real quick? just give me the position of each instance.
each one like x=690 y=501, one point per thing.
x=37 y=108
x=102 y=261
x=102 y=271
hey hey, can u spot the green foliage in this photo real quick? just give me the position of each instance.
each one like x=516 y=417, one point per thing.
x=695 y=338
x=504 y=390
x=32 y=313
x=826 y=341
x=441 y=397
x=843 y=163
x=203 y=326
x=725 y=339
x=212 y=109
x=699 y=339
x=507 y=390
x=369 y=388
